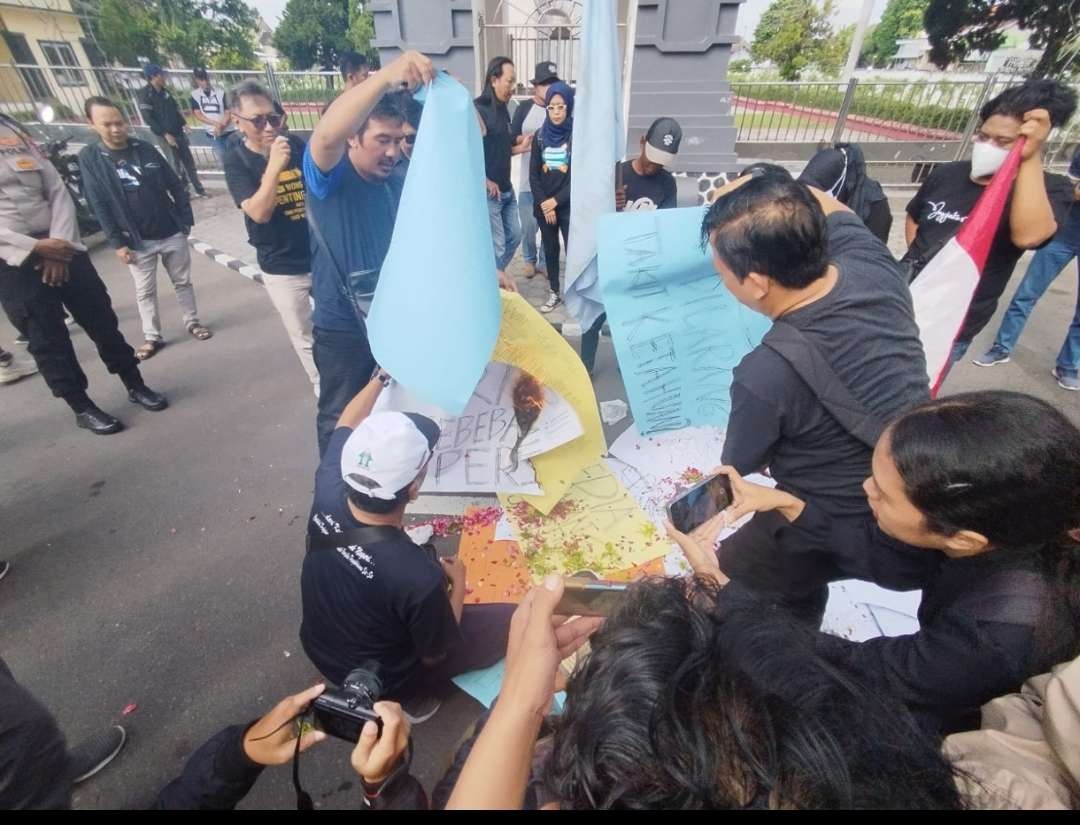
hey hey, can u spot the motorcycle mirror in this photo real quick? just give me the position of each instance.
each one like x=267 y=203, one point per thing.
x=46 y=114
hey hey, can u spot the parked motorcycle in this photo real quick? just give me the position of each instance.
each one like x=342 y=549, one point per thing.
x=67 y=164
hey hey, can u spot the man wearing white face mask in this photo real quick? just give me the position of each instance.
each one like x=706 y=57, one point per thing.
x=1038 y=203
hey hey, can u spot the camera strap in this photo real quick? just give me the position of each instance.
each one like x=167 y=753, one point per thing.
x=303 y=798
x=368 y=534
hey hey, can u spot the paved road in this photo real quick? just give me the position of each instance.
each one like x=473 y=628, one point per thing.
x=159 y=566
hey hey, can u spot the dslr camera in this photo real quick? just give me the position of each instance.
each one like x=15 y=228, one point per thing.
x=343 y=712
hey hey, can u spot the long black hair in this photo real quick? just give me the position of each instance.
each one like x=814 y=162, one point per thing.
x=695 y=698
x=1005 y=465
x=494 y=70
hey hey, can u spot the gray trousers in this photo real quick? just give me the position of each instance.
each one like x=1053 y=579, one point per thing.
x=176 y=256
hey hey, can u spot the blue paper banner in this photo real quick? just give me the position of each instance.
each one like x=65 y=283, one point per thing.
x=484 y=685
x=436 y=312
x=678 y=332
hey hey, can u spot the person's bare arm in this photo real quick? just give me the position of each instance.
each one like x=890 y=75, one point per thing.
x=911 y=229
x=1031 y=217
x=362 y=404
x=260 y=206
x=522 y=145
x=829 y=204
x=202 y=118
x=342 y=120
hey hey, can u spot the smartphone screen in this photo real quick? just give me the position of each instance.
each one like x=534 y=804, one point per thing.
x=586 y=597
x=700 y=503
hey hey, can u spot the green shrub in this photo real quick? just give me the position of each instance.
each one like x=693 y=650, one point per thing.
x=894 y=102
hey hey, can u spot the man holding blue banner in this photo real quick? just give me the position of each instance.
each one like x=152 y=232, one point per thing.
x=352 y=203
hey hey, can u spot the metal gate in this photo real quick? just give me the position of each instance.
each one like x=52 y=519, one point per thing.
x=531 y=31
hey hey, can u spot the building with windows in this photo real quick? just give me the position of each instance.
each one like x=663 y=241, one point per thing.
x=43 y=49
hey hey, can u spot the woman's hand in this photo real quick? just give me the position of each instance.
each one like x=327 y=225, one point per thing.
x=747 y=497
x=699 y=547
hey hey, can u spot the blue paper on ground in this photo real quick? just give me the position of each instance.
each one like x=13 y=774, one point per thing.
x=678 y=332
x=435 y=316
x=483 y=685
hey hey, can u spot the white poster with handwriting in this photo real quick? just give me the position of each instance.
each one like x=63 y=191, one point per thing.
x=479 y=450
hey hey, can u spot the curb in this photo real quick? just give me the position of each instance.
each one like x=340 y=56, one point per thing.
x=225 y=259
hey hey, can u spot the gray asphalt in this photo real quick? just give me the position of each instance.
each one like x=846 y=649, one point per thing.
x=159 y=567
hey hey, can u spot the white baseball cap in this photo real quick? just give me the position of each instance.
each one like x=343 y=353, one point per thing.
x=386 y=453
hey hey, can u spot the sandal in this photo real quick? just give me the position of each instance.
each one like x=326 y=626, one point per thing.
x=200 y=332
x=148 y=349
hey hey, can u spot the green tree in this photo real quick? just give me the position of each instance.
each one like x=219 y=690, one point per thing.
x=794 y=34
x=901 y=19
x=217 y=33
x=956 y=27
x=314 y=33
x=362 y=32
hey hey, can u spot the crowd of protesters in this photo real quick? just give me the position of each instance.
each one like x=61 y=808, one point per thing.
x=713 y=691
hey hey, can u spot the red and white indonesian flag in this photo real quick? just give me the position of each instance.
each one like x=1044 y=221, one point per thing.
x=942 y=292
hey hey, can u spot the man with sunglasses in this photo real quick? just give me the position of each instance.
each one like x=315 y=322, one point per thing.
x=264 y=177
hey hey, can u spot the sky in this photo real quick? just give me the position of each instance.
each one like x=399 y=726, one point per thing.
x=847 y=11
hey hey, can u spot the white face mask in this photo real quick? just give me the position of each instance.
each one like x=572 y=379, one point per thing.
x=986 y=158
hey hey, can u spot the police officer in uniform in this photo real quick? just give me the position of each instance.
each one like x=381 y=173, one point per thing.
x=43 y=269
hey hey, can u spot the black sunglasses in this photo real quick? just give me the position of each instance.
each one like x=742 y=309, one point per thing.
x=260 y=121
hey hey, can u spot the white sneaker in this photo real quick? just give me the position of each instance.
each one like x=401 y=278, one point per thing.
x=14 y=370
x=553 y=301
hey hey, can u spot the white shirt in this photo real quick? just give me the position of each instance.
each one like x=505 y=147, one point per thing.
x=532 y=123
x=211 y=103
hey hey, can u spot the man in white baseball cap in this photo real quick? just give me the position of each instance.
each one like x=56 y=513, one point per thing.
x=370 y=594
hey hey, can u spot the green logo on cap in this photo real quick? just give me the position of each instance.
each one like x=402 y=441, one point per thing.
x=364 y=460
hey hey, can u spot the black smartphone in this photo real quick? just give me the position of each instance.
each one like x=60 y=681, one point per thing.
x=590 y=597
x=700 y=503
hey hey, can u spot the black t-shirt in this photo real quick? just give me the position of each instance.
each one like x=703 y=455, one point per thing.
x=152 y=220
x=497 y=142
x=646 y=192
x=977 y=618
x=281 y=244
x=865 y=329
x=943 y=203
x=385 y=601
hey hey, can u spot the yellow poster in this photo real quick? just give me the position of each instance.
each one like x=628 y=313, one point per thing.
x=597 y=526
x=528 y=341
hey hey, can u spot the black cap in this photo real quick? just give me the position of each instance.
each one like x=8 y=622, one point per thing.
x=545 y=72
x=662 y=141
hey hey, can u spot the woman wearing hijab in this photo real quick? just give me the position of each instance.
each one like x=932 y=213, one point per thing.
x=841 y=172
x=549 y=175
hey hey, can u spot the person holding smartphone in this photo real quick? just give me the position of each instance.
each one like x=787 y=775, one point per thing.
x=975 y=498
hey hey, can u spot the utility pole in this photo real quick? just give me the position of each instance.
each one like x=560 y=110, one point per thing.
x=857 y=40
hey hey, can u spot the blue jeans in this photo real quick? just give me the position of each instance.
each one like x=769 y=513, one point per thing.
x=1045 y=267
x=505 y=228
x=531 y=251
x=218 y=145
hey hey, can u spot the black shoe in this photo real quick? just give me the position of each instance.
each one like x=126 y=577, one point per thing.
x=95 y=753
x=147 y=398
x=5 y=566
x=98 y=422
